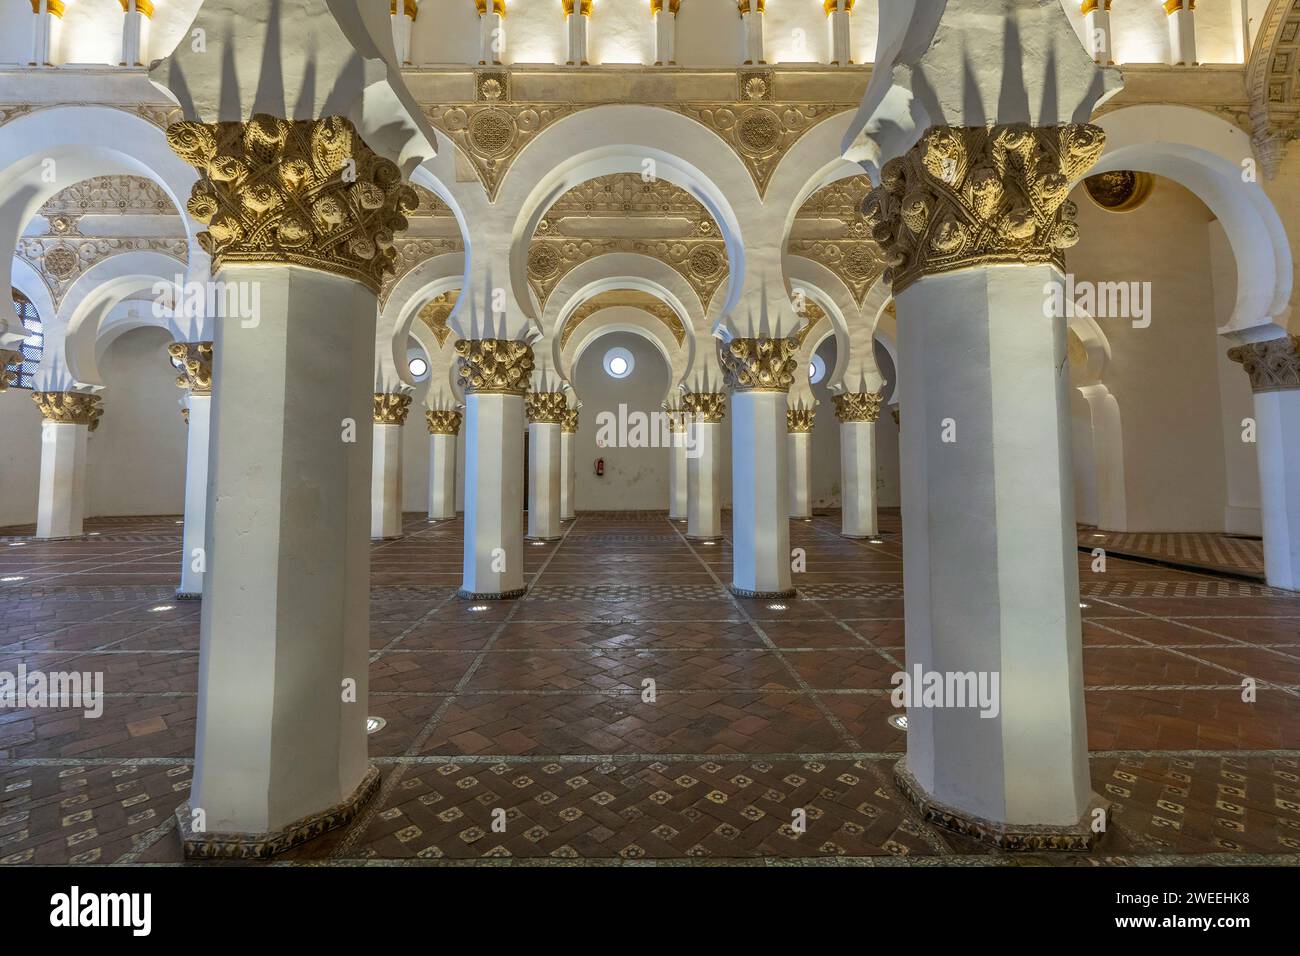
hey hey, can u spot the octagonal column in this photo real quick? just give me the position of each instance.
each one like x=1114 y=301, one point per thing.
x=390 y=411
x=678 y=465
x=305 y=233
x=1274 y=370
x=67 y=419
x=989 y=545
x=705 y=411
x=799 y=424
x=546 y=411
x=568 y=465
x=444 y=426
x=495 y=375
x=759 y=372
x=857 y=412
x=195 y=364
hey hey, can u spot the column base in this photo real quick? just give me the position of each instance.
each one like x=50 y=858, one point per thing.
x=1013 y=837
x=705 y=538
x=743 y=593
x=189 y=595
x=388 y=537
x=535 y=537
x=491 y=595
x=263 y=846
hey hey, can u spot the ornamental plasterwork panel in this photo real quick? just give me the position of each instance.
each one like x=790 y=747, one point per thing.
x=1273 y=82
x=100 y=195
x=629 y=298
x=160 y=116
x=436 y=312
x=627 y=194
x=757 y=125
x=829 y=229
x=60 y=259
x=430 y=205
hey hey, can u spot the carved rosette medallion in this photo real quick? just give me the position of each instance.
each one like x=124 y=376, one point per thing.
x=706 y=407
x=9 y=357
x=800 y=420
x=974 y=196
x=570 y=423
x=391 y=408
x=70 y=408
x=443 y=421
x=858 y=406
x=545 y=408
x=500 y=366
x=759 y=365
x=1273 y=366
x=300 y=192
x=196 y=366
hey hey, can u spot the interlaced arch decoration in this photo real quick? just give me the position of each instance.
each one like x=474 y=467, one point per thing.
x=32 y=346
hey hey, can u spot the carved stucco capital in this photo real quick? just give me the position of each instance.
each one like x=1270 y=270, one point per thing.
x=545 y=408
x=443 y=421
x=858 y=406
x=1273 y=366
x=70 y=408
x=391 y=408
x=195 y=360
x=974 y=196
x=502 y=366
x=759 y=364
x=706 y=407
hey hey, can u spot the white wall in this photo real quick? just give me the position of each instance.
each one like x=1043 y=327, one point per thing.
x=136 y=459
x=20 y=456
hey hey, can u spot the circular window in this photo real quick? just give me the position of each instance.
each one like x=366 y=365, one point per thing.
x=619 y=363
x=419 y=367
x=816 y=370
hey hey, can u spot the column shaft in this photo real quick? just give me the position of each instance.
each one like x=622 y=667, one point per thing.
x=494 y=495
x=858 y=480
x=799 y=449
x=568 y=475
x=61 y=504
x=442 y=476
x=193 y=554
x=703 y=491
x=544 y=479
x=386 y=483
x=1278 y=416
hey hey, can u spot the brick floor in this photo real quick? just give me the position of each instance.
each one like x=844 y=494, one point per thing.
x=523 y=729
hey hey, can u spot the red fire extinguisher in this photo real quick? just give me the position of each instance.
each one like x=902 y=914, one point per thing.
x=600 y=467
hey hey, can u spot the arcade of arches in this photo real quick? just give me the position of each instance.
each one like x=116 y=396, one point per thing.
x=600 y=418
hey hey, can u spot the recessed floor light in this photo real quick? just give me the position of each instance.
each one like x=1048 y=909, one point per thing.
x=1099 y=536
x=538 y=544
x=375 y=724
x=162 y=607
x=897 y=721
x=479 y=607
x=91 y=534
x=877 y=541
x=14 y=578
x=776 y=607
x=707 y=544
x=17 y=544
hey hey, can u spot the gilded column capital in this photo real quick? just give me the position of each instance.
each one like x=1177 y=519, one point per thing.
x=195 y=365
x=706 y=407
x=409 y=7
x=391 y=408
x=1089 y=6
x=964 y=197
x=582 y=6
x=677 y=418
x=570 y=423
x=9 y=357
x=759 y=365
x=500 y=366
x=1273 y=366
x=70 y=408
x=858 y=406
x=142 y=6
x=1173 y=6
x=750 y=6
x=54 y=7
x=657 y=6
x=491 y=6
x=800 y=420
x=443 y=421
x=545 y=408
x=298 y=192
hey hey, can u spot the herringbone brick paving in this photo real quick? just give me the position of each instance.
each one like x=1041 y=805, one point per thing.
x=629 y=708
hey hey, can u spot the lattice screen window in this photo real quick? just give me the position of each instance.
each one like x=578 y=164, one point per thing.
x=33 y=345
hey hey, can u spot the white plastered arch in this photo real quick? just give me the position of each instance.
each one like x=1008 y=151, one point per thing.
x=429 y=279
x=1209 y=156
x=638 y=323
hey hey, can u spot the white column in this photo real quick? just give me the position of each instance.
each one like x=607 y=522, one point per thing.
x=1182 y=31
x=576 y=13
x=545 y=418
x=193 y=557
x=568 y=466
x=135 y=32
x=402 y=22
x=444 y=426
x=194 y=361
x=751 y=18
x=494 y=465
x=837 y=16
x=858 y=480
x=491 y=30
x=1274 y=370
x=760 y=523
x=1096 y=26
x=799 y=449
x=48 y=22
x=703 y=482
x=664 y=14
x=284 y=630
x=390 y=411
x=678 y=466
x=989 y=544
x=61 y=501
